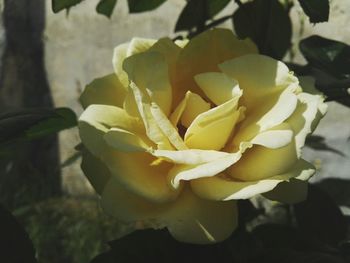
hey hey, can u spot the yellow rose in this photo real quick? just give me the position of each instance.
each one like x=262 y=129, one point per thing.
x=182 y=130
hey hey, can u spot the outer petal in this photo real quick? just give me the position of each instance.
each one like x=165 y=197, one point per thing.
x=125 y=50
x=258 y=76
x=127 y=141
x=260 y=162
x=309 y=111
x=218 y=87
x=96 y=121
x=119 y=55
x=106 y=90
x=189 y=218
x=198 y=57
x=135 y=172
x=211 y=129
x=277 y=137
x=223 y=188
x=143 y=179
x=268 y=113
x=195 y=220
x=149 y=71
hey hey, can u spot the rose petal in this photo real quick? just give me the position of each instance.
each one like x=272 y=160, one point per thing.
x=211 y=129
x=119 y=54
x=275 y=138
x=96 y=121
x=260 y=162
x=126 y=141
x=122 y=51
x=136 y=173
x=269 y=113
x=220 y=188
x=258 y=76
x=106 y=90
x=309 y=111
x=218 y=87
x=188 y=109
x=167 y=128
x=153 y=131
x=198 y=57
x=190 y=172
x=189 y=218
x=191 y=157
x=149 y=71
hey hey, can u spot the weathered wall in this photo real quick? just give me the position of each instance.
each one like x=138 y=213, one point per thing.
x=79 y=47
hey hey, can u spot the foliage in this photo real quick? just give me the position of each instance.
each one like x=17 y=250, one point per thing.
x=21 y=125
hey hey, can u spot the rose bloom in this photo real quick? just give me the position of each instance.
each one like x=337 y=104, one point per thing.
x=180 y=131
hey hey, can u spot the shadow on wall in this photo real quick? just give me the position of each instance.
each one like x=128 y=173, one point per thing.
x=30 y=172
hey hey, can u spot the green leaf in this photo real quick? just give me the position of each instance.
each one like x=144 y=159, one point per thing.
x=329 y=63
x=267 y=23
x=328 y=55
x=137 y=6
x=28 y=124
x=316 y=10
x=58 y=5
x=196 y=12
x=63 y=118
x=106 y=7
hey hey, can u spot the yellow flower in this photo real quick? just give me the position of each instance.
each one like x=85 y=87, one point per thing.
x=182 y=130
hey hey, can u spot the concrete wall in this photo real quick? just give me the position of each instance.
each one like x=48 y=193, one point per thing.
x=79 y=47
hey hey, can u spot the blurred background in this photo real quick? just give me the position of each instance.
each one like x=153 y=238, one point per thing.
x=46 y=60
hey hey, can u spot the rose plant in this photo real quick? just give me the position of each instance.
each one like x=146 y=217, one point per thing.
x=181 y=130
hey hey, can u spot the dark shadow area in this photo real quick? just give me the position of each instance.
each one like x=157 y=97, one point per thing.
x=31 y=171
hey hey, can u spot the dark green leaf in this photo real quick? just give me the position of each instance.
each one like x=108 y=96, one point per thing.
x=318 y=143
x=320 y=217
x=329 y=63
x=197 y=12
x=193 y=15
x=316 y=10
x=267 y=23
x=106 y=7
x=28 y=124
x=63 y=118
x=15 y=245
x=14 y=122
x=58 y=5
x=215 y=6
x=328 y=55
x=137 y=6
